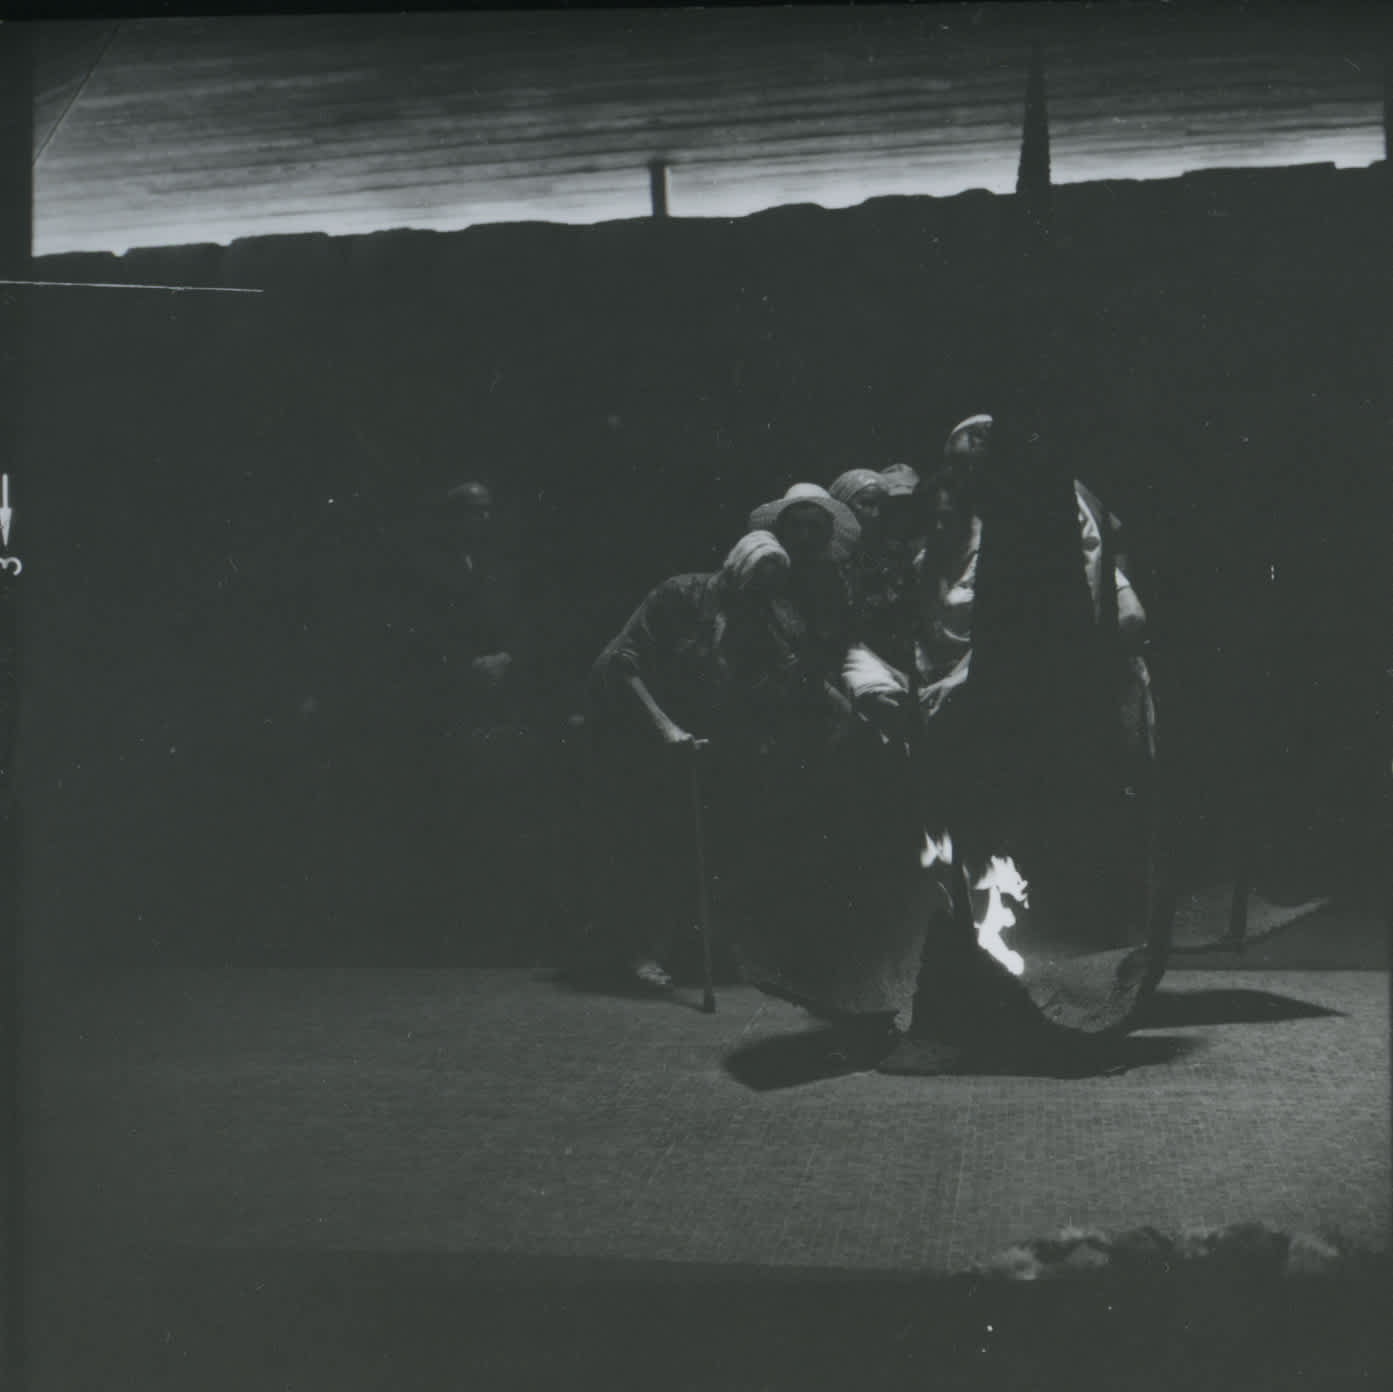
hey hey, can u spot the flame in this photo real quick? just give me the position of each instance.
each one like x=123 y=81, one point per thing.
x=935 y=852
x=1002 y=878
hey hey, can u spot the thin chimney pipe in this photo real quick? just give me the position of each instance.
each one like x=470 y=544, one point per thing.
x=657 y=185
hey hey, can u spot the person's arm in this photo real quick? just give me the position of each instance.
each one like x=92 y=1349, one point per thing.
x=649 y=629
x=1131 y=617
x=667 y=729
x=837 y=698
x=934 y=696
x=866 y=675
x=877 y=690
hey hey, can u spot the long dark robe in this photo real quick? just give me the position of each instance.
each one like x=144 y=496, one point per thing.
x=1054 y=783
x=835 y=898
x=839 y=901
x=1028 y=760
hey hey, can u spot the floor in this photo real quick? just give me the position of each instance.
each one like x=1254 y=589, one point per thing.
x=500 y=1111
x=1326 y=933
x=213 y=1150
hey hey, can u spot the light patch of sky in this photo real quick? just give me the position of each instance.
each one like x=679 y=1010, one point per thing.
x=698 y=187
x=208 y=131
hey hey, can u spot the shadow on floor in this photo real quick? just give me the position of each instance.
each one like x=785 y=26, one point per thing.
x=1224 y=1006
x=1090 y=1060
x=793 y=1060
x=814 y=1056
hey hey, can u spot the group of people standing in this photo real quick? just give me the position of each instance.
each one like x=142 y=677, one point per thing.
x=784 y=737
x=816 y=680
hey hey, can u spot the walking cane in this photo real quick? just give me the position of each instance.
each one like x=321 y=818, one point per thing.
x=708 y=989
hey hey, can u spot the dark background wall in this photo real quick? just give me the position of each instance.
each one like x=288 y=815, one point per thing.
x=205 y=478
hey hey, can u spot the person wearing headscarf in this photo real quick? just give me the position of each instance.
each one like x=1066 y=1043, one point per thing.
x=864 y=491
x=702 y=658
x=822 y=536
x=832 y=892
x=927 y=695
x=966 y=455
x=675 y=671
x=945 y=591
x=925 y=661
x=881 y=573
x=901 y=479
x=901 y=519
x=809 y=523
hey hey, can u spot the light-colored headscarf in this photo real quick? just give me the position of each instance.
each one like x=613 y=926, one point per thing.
x=807 y=493
x=900 y=480
x=747 y=553
x=846 y=486
x=846 y=530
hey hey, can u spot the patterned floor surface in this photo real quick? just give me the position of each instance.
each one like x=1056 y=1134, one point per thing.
x=389 y=1180
x=502 y=1112
x=1320 y=933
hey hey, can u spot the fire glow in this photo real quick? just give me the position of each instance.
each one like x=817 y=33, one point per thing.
x=1001 y=880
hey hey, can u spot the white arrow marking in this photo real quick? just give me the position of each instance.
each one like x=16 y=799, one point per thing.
x=6 y=511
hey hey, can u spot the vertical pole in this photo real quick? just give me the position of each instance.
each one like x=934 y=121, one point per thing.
x=657 y=187
x=1029 y=516
x=708 y=985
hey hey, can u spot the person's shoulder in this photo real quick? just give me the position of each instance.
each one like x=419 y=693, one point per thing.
x=676 y=592
x=692 y=582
